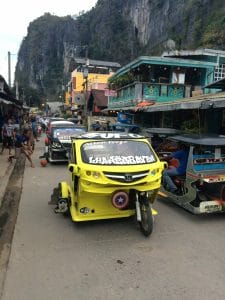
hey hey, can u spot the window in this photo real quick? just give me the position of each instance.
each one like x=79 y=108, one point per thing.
x=206 y=158
x=117 y=153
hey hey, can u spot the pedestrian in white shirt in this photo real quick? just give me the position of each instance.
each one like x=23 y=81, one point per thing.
x=7 y=136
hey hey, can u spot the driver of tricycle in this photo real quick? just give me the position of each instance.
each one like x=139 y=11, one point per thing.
x=179 y=169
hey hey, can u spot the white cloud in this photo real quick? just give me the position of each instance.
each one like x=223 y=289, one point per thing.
x=16 y=16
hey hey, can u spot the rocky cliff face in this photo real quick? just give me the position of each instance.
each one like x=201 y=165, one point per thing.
x=118 y=30
x=184 y=21
x=44 y=55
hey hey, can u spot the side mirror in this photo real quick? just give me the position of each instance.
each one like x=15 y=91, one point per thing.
x=164 y=165
x=73 y=168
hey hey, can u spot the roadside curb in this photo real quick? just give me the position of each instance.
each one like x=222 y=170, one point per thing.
x=8 y=215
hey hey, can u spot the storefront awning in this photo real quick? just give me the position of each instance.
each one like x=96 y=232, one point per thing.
x=201 y=102
x=220 y=85
x=5 y=101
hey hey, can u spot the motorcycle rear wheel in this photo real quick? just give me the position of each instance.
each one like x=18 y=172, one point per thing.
x=146 y=223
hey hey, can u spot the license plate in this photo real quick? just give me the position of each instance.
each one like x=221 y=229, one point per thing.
x=210 y=206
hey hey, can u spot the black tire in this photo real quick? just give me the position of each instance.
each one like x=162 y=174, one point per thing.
x=67 y=214
x=49 y=155
x=146 y=223
x=46 y=155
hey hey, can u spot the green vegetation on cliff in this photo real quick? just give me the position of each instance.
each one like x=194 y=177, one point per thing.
x=106 y=31
x=116 y=30
x=214 y=35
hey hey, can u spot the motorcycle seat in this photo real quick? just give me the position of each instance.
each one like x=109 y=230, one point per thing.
x=180 y=177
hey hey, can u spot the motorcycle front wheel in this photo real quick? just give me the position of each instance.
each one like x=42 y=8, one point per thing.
x=146 y=223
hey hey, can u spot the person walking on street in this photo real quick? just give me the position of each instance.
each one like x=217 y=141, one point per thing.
x=7 y=136
x=34 y=127
x=24 y=144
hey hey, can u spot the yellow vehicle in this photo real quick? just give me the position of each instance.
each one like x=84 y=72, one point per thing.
x=113 y=175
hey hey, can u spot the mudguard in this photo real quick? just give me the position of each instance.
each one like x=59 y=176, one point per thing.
x=64 y=190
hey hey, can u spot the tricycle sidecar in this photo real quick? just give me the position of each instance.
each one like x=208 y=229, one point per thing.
x=113 y=175
x=202 y=189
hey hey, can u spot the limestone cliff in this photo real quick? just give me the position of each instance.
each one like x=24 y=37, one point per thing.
x=118 y=30
x=43 y=57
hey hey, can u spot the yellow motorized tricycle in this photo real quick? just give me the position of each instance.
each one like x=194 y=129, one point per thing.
x=113 y=175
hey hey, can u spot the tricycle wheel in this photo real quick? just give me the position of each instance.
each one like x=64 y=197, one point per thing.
x=66 y=214
x=46 y=155
x=146 y=223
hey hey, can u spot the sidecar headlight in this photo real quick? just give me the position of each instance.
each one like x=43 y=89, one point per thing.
x=96 y=175
x=154 y=171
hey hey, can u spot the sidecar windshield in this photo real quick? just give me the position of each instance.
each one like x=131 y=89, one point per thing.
x=120 y=152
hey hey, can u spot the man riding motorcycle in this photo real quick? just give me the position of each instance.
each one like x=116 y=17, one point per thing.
x=182 y=156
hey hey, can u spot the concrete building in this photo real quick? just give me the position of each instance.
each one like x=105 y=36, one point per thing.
x=88 y=74
x=157 y=89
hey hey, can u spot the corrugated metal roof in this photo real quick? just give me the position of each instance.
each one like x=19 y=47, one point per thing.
x=7 y=97
x=163 y=61
x=220 y=84
x=198 y=102
x=197 y=52
x=5 y=101
x=98 y=63
x=204 y=140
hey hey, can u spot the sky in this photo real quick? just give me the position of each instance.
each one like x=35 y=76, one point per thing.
x=16 y=16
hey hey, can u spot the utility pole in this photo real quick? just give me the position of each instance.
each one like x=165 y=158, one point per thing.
x=9 y=69
x=85 y=75
x=17 y=90
x=86 y=55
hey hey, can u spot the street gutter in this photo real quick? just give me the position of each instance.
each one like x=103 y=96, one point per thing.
x=8 y=215
x=4 y=180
